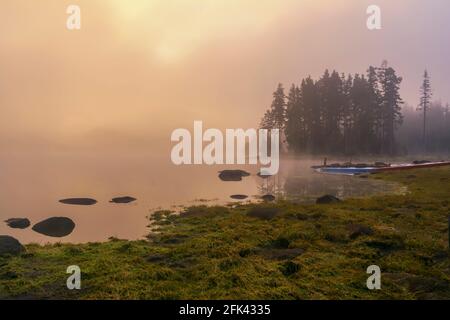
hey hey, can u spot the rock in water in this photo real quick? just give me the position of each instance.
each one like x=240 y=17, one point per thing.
x=123 y=200
x=232 y=175
x=18 y=223
x=55 y=227
x=10 y=245
x=268 y=198
x=327 y=199
x=239 y=196
x=79 y=201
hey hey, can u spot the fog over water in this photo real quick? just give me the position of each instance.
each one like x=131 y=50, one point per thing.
x=32 y=186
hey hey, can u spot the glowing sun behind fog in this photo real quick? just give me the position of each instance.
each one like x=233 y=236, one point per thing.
x=174 y=29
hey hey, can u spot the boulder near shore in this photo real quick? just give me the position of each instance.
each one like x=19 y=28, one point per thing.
x=239 y=196
x=56 y=227
x=126 y=199
x=232 y=175
x=18 y=223
x=79 y=201
x=10 y=245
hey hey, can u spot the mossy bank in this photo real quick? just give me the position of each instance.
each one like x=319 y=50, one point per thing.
x=281 y=251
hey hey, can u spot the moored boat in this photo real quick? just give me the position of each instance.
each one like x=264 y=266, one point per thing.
x=364 y=169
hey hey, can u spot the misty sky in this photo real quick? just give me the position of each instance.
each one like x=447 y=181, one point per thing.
x=139 y=69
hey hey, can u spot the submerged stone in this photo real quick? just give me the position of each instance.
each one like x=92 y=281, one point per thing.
x=10 y=245
x=79 y=201
x=239 y=196
x=55 y=227
x=232 y=175
x=126 y=199
x=18 y=223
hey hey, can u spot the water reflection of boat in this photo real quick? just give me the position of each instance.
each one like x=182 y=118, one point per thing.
x=364 y=169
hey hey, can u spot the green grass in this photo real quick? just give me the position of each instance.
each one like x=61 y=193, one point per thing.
x=296 y=252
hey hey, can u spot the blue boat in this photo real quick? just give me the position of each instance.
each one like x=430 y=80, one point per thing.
x=368 y=170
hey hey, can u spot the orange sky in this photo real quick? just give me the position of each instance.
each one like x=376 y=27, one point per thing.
x=139 y=69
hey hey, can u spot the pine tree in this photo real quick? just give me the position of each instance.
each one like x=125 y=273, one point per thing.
x=310 y=101
x=391 y=107
x=331 y=100
x=295 y=131
x=347 y=114
x=339 y=113
x=424 y=105
x=376 y=108
x=267 y=121
x=275 y=117
x=278 y=108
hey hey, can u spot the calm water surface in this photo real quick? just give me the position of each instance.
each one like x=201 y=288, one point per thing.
x=32 y=185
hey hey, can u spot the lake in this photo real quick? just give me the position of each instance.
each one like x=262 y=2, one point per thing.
x=32 y=185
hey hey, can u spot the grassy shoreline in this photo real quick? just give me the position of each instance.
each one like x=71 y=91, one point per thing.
x=279 y=251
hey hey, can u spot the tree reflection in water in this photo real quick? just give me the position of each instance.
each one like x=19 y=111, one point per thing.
x=297 y=181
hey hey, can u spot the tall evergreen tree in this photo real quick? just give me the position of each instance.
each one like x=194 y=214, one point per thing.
x=340 y=114
x=275 y=117
x=376 y=107
x=363 y=115
x=295 y=131
x=310 y=100
x=390 y=105
x=347 y=114
x=424 y=105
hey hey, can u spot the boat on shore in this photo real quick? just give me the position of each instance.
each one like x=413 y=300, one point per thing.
x=352 y=169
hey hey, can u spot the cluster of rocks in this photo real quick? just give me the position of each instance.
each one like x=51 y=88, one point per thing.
x=56 y=227
x=53 y=227
x=90 y=202
x=237 y=175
